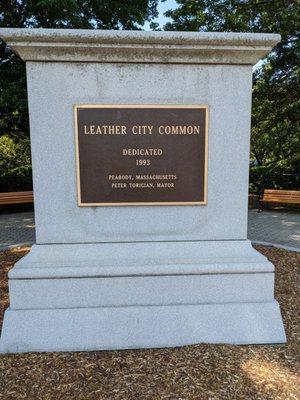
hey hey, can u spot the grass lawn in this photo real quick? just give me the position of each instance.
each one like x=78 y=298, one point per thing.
x=200 y=372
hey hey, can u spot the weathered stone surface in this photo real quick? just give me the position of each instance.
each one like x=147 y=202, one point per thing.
x=138 y=46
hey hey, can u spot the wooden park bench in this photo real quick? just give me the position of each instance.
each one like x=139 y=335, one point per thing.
x=279 y=196
x=16 y=197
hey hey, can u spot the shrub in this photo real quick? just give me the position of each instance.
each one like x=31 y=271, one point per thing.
x=15 y=165
x=274 y=176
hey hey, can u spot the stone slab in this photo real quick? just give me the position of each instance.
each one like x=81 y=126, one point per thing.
x=70 y=45
x=140 y=259
x=148 y=290
x=140 y=327
x=149 y=273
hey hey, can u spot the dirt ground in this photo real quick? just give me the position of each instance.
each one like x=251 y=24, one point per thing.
x=200 y=372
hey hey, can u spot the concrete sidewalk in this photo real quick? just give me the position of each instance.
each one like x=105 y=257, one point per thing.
x=277 y=228
x=16 y=229
x=281 y=228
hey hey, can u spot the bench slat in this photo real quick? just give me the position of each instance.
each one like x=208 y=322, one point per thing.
x=292 y=192
x=274 y=200
x=281 y=196
x=16 y=197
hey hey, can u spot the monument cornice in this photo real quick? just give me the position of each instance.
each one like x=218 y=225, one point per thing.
x=70 y=45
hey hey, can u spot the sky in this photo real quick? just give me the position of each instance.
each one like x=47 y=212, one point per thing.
x=162 y=8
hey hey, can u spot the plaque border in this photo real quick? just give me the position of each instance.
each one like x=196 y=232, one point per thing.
x=156 y=203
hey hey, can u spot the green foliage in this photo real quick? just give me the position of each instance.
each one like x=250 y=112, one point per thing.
x=80 y=14
x=15 y=164
x=281 y=16
x=276 y=107
x=273 y=176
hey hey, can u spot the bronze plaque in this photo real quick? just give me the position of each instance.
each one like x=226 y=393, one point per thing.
x=141 y=155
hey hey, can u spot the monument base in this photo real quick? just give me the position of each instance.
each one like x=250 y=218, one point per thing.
x=73 y=297
x=81 y=329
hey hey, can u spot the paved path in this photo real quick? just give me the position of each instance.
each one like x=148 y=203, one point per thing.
x=269 y=227
x=275 y=227
x=16 y=229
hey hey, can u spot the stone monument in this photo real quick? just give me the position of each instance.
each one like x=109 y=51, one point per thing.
x=140 y=152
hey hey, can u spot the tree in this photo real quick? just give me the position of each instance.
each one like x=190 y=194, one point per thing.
x=276 y=106
x=85 y=14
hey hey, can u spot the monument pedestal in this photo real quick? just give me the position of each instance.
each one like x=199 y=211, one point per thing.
x=116 y=267
x=135 y=295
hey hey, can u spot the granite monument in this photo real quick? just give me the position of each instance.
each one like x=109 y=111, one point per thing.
x=140 y=152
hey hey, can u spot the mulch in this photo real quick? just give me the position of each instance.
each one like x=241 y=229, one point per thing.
x=200 y=372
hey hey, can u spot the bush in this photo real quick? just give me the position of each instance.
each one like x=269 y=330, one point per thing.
x=278 y=176
x=15 y=165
